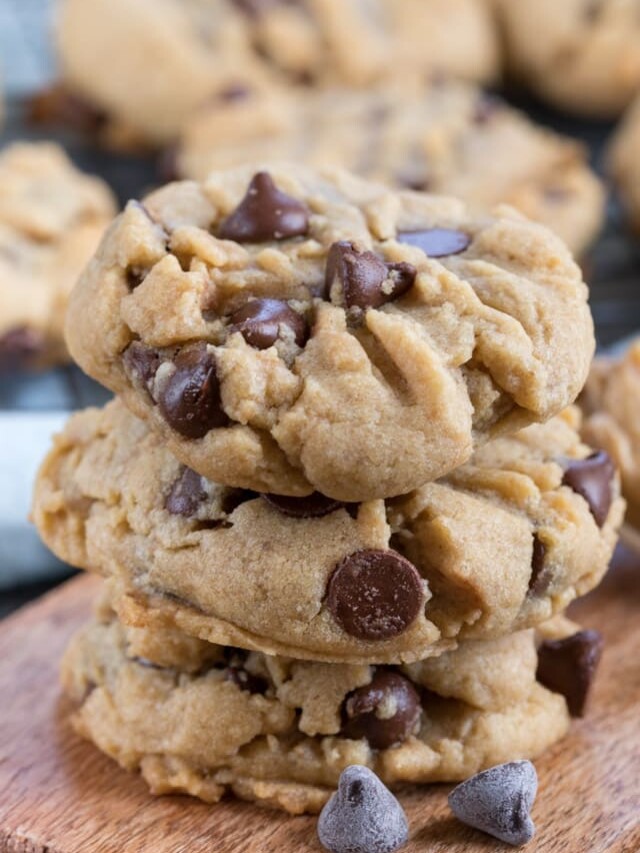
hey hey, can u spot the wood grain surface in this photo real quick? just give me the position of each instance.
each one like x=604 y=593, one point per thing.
x=58 y=794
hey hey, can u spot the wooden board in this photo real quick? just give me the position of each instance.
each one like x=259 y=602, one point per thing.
x=58 y=794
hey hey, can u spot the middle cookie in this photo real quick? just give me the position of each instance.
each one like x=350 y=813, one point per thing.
x=294 y=330
x=500 y=545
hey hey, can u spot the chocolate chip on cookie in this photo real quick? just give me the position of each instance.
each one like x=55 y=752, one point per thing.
x=264 y=321
x=568 y=667
x=375 y=594
x=265 y=213
x=141 y=363
x=190 y=400
x=436 y=242
x=245 y=680
x=186 y=495
x=540 y=576
x=314 y=505
x=385 y=712
x=365 y=280
x=19 y=346
x=593 y=479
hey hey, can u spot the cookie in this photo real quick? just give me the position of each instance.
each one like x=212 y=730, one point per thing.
x=500 y=545
x=446 y=137
x=610 y=404
x=292 y=330
x=585 y=56
x=51 y=219
x=624 y=163
x=209 y=719
x=182 y=53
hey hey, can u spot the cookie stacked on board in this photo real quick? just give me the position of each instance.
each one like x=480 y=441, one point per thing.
x=339 y=500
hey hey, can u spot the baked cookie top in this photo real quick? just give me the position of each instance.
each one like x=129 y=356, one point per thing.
x=501 y=544
x=51 y=219
x=585 y=56
x=290 y=330
x=610 y=404
x=444 y=137
x=183 y=52
x=203 y=718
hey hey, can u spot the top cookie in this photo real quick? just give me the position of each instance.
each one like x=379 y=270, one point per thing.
x=51 y=220
x=181 y=52
x=581 y=55
x=444 y=137
x=296 y=331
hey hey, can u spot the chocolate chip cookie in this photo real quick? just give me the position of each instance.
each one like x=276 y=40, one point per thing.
x=203 y=719
x=624 y=163
x=580 y=55
x=51 y=220
x=181 y=53
x=444 y=137
x=499 y=545
x=288 y=330
x=610 y=404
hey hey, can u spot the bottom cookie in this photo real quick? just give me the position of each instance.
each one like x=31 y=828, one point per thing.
x=203 y=719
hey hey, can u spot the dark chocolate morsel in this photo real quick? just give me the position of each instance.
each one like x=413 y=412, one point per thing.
x=190 y=399
x=375 y=594
x=262 y=322
x=593 y=479
x=141 y=363
x=436 y=242
x=385 y=712
x=265 y=213
x=167 y=167
x=314 y=505
x=186 y=495
x=540 y=576
x=366 y=280
x=245 y=680
x=568 y=667
x=19 y=346
x=56 y=105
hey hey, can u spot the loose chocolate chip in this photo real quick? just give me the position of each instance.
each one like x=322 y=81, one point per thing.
x=366 y=280
x=141 y=363
x=263 y=321
x=186 y=495
x=540 y=577
x=592 y=478
x=436 y=242
x=362 y=816
x=190 y=400
x=265 y=213
x=568 y=667
x=498 y=801
x=385 y=712
x=245 y=680
x=19 y=346
x=375 y=595
x=314 y=505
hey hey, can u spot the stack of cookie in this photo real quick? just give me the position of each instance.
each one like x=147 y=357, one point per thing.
x=338 y=489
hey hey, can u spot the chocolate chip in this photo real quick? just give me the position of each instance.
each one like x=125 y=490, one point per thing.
x=437 y=242
x=592 y=478
x=385 y=712
x=498 y=801
x=540 y=575
x=314 y=505
x=413 y=182
x=264 y=321
x=135 y=276
x=265 y=213
x=568 y=667
x=366 y=280
x=141 y=363
x=186 y=495
x=362 y=816
x=374 y=594
x=190 y=400
x=19 y=346
x=56 y=105
x=245 y=680
x=167 y=167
